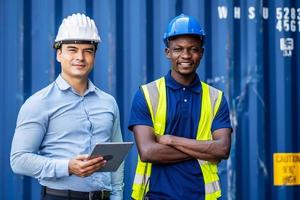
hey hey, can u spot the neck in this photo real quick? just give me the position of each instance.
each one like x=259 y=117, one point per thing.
x=183 y=79
x=78 y=84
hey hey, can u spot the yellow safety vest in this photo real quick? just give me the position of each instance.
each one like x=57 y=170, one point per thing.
x=155 y=95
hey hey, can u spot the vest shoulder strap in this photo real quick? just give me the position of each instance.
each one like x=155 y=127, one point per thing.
x=156 y=98
x=151 y=95
x=215 y=97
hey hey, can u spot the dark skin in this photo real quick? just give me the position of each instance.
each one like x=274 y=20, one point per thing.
x=184 y=53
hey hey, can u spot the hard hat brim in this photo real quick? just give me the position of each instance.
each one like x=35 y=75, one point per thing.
x=58 y=44
x=201 y=37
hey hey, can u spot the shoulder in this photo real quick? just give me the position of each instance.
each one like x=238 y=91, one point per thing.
x=106 y=98
x=139 y=95
x=104 y=95
x=154 y=82
x=140 y=114
x=36 y=105
x=40 y=97
x=210 y=87
x=215 y=94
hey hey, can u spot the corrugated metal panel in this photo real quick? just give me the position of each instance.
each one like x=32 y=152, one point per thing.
x=252 y=53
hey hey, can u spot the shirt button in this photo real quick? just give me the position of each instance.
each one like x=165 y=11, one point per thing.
x=185 y=100
x=183 y=89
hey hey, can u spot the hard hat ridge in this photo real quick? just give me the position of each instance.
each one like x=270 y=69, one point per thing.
x=183 y=25
x=78 y=28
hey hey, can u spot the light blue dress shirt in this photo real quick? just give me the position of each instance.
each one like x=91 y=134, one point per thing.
x=57 y=124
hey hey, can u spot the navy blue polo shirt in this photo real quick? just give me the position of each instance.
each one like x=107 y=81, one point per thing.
x=182 y=180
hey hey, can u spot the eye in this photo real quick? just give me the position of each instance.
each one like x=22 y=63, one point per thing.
x=90 y=51
x=177 y=49
x=195 y=49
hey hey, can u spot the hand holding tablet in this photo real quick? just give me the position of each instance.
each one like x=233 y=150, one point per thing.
x=113 y=152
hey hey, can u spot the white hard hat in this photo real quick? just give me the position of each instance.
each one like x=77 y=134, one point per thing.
x=77 y=27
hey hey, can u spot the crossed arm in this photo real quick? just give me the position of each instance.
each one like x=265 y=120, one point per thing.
x=170 y=149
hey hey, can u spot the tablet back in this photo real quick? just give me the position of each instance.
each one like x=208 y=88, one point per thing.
x=113 y=152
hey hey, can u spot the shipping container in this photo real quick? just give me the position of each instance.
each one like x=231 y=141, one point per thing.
x=251 y=53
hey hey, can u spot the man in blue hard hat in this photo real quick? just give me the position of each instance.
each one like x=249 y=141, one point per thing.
x=181 y=125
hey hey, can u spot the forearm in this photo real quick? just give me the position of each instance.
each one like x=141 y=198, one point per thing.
x=202 y=156
x=162 y=154
x=150 y=150
x=37 y=166
x=212 y=150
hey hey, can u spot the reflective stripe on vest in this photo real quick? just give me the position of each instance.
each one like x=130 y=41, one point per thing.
x=155 y=95
x=154 y=91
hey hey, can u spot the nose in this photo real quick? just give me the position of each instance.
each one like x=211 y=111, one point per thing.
x=80 y=55
x=186 y=54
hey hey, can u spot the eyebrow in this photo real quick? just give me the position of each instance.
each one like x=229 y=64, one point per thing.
x=74 y=47
x=192 y=46
x=90 y=48
x=71 y=47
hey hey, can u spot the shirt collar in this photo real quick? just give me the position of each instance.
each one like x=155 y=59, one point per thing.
x=195 y=86
x=64 y=85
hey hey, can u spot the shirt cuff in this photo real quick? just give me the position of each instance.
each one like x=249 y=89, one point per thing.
x=61 y=168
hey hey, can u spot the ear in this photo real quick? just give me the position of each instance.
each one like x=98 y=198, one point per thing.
x=167 y=52
x=58 y=55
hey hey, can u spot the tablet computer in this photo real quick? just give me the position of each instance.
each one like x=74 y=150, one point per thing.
x=113 y=152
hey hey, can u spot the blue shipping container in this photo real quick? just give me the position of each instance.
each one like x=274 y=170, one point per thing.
x=251 y=53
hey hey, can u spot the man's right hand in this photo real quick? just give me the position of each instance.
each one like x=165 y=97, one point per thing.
x=84 y=166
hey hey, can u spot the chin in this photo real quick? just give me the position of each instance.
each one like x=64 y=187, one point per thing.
x=79 y=75
x=186 y=72
x=79 y=72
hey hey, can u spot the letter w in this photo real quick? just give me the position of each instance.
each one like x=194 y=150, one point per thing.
x=222 y=12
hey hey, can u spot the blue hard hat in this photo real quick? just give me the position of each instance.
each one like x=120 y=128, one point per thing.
x=183 y=25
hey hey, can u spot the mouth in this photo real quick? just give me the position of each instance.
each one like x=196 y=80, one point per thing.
x=79 y=66
x=185 y=64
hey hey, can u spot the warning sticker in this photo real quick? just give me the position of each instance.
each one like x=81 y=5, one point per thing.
x=286 y=168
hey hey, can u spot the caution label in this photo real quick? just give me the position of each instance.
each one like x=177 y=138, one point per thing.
x=286 y=168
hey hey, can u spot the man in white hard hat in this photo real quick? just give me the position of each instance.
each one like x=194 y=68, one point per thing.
x=58 y=126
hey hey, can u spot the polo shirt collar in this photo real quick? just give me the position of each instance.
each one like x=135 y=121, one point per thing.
x=64 y=85
x=195 y=86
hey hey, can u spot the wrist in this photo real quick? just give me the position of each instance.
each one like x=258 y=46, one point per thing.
x=61 y=168
x=175 y=141
x=171 y=141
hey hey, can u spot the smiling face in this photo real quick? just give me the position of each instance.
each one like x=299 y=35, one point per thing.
x=76 y=60
x=184 y=53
